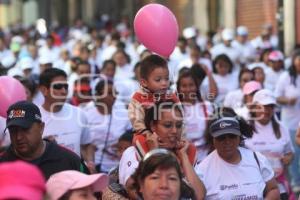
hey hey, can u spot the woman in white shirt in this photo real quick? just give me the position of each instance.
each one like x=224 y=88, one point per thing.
x=271 y=138
x=276 y=62
x=224 y=76
x=196 y=112
x=231 y=171
x=287 y=93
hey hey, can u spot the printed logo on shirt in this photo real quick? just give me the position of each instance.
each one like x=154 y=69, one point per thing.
x=224 y=124
x=259 y=143
x=229 y=187
x=245 y=197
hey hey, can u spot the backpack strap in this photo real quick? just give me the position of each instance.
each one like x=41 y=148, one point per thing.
x=257 y=161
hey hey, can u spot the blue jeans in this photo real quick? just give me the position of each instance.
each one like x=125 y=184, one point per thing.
x=294 y=167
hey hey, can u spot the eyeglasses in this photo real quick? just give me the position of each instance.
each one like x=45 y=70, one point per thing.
x=59 y=86
x=229 y=136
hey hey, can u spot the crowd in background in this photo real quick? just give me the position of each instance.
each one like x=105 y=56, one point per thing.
x=83 y=79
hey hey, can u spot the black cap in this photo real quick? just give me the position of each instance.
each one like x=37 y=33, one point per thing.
x=225 y=125
x=23 y=114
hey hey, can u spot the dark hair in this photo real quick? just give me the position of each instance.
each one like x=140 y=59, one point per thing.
x=49 y=74
x=99 y=88
x=275 y=125
x=225 y=58
x=107 y=62
x=124 y=53
x=188 y=74
x=153 y=113
x=292 y=69
x=161 y=161
x=198 y=73
x=245 y=128
x=244 y=71
x=66 y=196
x=150 y=63
x=29 y=84
x=262 y=54
x=84 y=62
x=127 y=136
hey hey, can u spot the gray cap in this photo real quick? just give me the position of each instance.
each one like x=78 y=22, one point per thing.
x=225 y=125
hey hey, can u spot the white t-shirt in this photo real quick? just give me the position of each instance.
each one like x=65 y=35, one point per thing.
x=289 y=114
x=68 y=126
x=234 y=99
x=225 y=84
x=233 y=53
x=265 y=142
x=4 y=136
x=195 y=125
x=188 y=63
x=124 y=72
x=107 y=128
x=245 y=180
x=128 y=164
x=248 y=52
x=271 y=78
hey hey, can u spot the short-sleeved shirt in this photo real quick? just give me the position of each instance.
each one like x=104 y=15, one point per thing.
x=245 y=180
x=54 y=159
x=107 y=129
x=265 y=142
x=284 y=88
x=68 y=126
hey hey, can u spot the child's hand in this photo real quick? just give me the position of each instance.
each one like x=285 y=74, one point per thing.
x=151 y=140
x=292 y=101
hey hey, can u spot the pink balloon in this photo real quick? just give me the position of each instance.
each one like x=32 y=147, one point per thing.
x=156 y=28
x=11 y=91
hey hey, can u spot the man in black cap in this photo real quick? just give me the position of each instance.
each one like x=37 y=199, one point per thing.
x=26 y=129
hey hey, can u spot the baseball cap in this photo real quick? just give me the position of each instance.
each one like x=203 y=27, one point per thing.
x=276 y=56
x=250 y=87
x=227 y=34
x=21 y=180
x=61 y=182
x=45 y=59
x=26 y=63
x=225 y=125
x=264 y=97
x=23 y=114
x=189 y=32
x=254 y=65
x=242 y=30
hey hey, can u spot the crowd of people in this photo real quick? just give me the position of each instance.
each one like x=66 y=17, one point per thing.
x=105 y=118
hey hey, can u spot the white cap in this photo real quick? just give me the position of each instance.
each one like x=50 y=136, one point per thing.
x=189 y=32
x=242 y=31
x=45 y=60
x=8 y=61
x=257 y=65
x=227 y=34
x=26 y=63
x=264 y=97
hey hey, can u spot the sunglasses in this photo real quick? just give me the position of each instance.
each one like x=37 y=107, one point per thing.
x=229 y=136
x=59 y=86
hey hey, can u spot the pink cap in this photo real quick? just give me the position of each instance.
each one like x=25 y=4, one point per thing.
x=250 y=87
x=276 y=56
x=21 y=180
x=61 y=182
